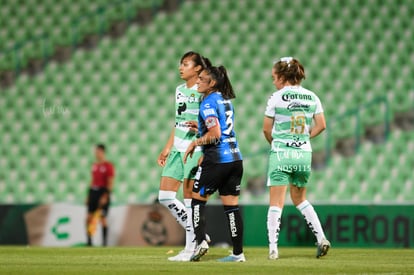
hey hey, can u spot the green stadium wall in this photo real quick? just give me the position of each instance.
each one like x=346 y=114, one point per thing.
x=344 y=225
x=388 y=226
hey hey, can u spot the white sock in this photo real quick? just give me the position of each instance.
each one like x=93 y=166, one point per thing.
x=177 y=209
x=311 y=219
x=273 y=226
x=190 y=242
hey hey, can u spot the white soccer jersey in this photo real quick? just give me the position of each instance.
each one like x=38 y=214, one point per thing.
x=292 y=108
x=187 y=105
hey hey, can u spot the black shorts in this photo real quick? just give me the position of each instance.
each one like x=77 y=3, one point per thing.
x=94 y=197
x=225 y=177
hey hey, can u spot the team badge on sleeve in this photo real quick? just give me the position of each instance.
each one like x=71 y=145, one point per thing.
x=211 y=122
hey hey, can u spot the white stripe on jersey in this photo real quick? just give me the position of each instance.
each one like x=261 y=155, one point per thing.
x=181 y=145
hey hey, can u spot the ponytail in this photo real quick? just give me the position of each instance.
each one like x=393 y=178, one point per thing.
x=223 y=84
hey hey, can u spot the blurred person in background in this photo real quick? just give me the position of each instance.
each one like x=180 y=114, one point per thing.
x=99 y=197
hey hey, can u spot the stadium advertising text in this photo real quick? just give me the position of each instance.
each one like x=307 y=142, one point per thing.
x=344 y=226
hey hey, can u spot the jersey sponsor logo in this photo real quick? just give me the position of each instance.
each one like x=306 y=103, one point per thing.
x=211 y=122
x=229 y=139
x=297 y=105
x=209 y=112
x=225 y=101
x=288 y=97
x=184 y=98
x=295 y=143
x=192 y=98
x=207 y=105
x=181 y=108
x=231 y=151
x=192 y=111
x=181 y=97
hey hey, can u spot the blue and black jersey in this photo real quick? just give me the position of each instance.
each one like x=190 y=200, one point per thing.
x=225 y=149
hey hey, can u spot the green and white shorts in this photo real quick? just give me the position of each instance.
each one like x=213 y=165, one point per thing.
x=176 y=169
x=289 y=167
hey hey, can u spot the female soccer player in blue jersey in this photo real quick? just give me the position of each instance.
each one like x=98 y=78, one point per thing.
x=221 y=166
x=175 y=171
x=287 y=127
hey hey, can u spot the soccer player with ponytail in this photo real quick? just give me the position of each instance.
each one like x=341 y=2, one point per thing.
x=287 y=128
x=221 y=166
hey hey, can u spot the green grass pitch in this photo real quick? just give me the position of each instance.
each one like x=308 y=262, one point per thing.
x=153 y=260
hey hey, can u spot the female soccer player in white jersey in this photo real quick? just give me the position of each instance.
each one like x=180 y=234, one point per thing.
x=175 y=171
x=221 y=167
x=287 y=127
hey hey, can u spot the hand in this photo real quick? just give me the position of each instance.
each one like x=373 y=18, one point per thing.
x=103 y=200
x=162 y=158
x=192 y=125
x=190 y=151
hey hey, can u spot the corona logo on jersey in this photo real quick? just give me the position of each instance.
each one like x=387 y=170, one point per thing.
x=292 y=96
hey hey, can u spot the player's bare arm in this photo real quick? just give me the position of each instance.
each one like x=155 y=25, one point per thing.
x=210 y=137
x=320 y=125
x=110 y=184
x=267 y=128
x=162 y=158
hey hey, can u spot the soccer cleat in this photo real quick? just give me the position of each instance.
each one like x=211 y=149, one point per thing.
x=200 y=251
x=183 y=256
x=323 y=248
x=273 y=255
x=233 y=258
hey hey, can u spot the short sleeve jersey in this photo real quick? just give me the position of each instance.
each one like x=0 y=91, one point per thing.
x=101 y=173
x=226 y=149
x=292 y=108
x=187 y=103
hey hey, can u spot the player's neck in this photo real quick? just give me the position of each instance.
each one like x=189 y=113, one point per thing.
x=206 y=94
x=191 y=82
x=101 y=160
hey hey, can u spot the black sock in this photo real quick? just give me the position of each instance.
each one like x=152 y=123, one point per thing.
x=104 y=235
x=236 y=227
x=199 y=219
x=89 y=238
